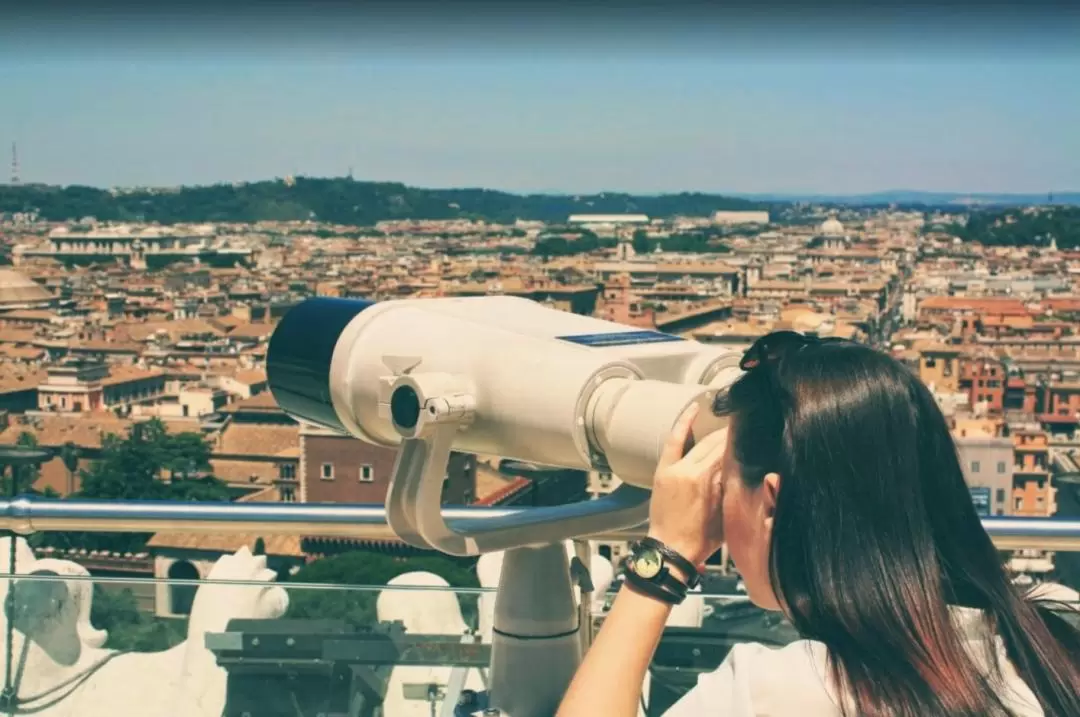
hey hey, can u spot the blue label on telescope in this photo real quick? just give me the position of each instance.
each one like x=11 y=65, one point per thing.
x=621 y=338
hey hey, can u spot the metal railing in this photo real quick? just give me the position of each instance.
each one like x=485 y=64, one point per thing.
x=25 y=515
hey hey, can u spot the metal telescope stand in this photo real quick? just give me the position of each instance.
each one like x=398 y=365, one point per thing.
x=538 y=635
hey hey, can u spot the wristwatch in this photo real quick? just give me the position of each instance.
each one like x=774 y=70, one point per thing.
x=654 y=557
x=648 y=570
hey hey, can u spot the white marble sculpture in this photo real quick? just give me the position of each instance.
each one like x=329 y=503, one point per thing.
x=432 y=611
x=201 y=691
x=489 y=568
x=63 y=670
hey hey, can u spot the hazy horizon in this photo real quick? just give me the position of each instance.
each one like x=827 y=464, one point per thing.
x=781 y=123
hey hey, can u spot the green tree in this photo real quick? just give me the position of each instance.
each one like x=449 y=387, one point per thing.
x=136 y=468
x=642 y=244
x=1022 y=227
x=130 y=628
x=359 y=568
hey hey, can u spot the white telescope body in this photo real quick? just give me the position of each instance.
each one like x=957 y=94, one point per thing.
x=501 y=376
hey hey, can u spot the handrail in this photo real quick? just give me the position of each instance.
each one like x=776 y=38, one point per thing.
x=25 y=515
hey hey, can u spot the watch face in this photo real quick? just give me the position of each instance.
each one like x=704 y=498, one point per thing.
x=647 y=563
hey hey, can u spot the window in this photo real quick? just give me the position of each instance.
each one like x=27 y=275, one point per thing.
x=974 y=466
x=1001 y=469
x=931 y=363
x=367 y=475
x=287 y=471
x=1000 y=495
x=1019 y=504
x=327 y=471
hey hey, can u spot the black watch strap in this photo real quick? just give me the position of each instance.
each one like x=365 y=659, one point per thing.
x=653 y=590
x=670 y=583
x=693 y=577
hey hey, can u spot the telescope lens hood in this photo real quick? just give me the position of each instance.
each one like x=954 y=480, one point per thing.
x=300 y=353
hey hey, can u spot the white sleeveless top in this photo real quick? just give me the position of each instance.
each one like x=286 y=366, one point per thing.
x=792 y=681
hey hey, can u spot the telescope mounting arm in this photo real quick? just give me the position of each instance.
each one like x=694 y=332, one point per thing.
x=428 y=410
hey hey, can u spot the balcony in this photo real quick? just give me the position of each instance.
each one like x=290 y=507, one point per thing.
x=246 y=640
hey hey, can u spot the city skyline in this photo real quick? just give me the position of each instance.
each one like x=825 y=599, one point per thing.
x=575 y=124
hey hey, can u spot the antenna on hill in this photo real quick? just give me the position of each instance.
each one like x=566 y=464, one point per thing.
x=14 y=163
x=350 y=174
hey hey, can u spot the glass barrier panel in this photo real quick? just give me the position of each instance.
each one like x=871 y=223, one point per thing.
x=250 y=641
x=244 y=645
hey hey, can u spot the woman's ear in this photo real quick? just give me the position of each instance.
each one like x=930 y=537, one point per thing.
x=770 y=489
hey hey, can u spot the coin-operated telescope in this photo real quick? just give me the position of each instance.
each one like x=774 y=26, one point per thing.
x=500 y=376
x=508 y=377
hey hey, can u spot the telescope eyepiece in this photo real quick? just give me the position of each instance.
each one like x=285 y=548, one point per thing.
x=405 y=407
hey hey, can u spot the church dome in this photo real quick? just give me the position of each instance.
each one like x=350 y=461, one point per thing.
x=832 y=227
x=19 y=292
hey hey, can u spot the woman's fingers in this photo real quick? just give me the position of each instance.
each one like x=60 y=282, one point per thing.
x=710 y=451
x=676 y=443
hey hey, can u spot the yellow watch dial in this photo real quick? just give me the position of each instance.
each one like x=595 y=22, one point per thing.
x=647 y=564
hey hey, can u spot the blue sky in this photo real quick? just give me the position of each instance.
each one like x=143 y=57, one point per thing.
x=547 y=120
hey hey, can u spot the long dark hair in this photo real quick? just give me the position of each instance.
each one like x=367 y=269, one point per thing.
x=875 y=535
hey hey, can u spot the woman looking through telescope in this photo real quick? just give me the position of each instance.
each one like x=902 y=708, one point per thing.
x=838 y=491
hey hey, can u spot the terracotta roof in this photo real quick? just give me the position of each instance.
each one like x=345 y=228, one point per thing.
x=262 y=401
x=108 y=346
x=1061 y=303
x=119 y=373
x=267 y=494
x=14 y=377
x=1013 y=307
x=17 y=336
x=258 y=439
x=287 y=545
x=84 y=430
x=175 y=329
x=252 y=331
x=21 y=353
x=227 y=322
x=236 y=471
x=936 y=347
x=506 y=492
x=250 y=376
x=489 y=481
x=30 y=315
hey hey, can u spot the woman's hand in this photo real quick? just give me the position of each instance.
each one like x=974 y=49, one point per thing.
x=687 y=492
x=684 y=514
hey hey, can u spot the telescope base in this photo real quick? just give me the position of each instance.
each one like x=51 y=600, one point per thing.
x=536 y=646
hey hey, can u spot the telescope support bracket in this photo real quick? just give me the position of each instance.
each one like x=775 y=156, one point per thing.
x=443 y=406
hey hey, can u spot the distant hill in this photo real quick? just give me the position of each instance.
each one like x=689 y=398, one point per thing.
x=1019 y=227
x=958 y=200
x=342 y=201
